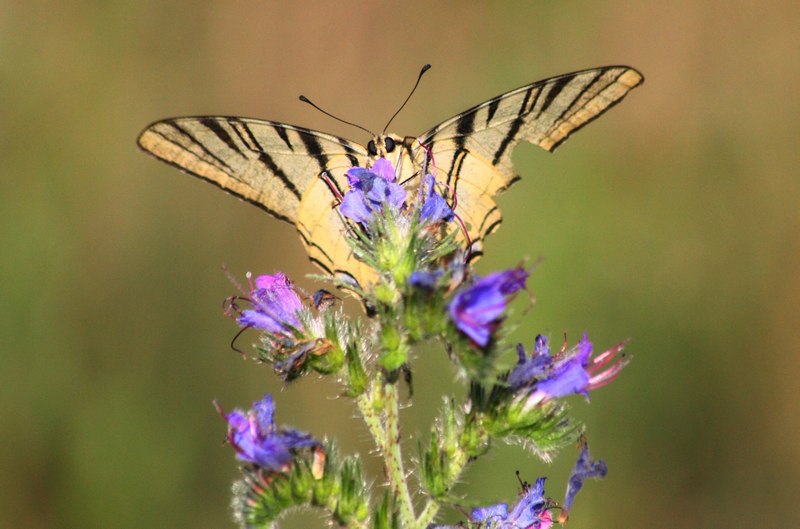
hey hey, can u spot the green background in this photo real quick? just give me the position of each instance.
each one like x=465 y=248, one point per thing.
x=673 y=220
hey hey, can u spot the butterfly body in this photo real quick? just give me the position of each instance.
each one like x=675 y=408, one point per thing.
x=298 y=175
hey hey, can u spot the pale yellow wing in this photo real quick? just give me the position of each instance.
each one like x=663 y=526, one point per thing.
x=472 y=151
x=275 y=166
x=278 y=167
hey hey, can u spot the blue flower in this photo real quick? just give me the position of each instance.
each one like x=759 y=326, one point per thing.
x=529 y=369
x=371 y=190
x=425 y=280
x=585 y=468
x=275 y=305
x=477 y=309
x=254 y=437
x=490 y=514
x=530 y=512
x=544 y=377
x=434 y=207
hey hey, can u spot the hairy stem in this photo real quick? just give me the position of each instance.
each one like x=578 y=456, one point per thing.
x=428 y=514
x=393 y=455
x=385 y=432
x=368 y=405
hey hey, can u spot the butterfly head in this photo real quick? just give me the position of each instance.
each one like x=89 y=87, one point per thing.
x=383 y=144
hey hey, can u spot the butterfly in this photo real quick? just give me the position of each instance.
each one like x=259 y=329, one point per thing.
x=297 y=174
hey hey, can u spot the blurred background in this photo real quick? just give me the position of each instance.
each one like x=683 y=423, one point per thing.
x=673 y=220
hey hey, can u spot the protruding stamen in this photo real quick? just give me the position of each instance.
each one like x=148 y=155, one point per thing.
x=332 y=186
x=233 y=342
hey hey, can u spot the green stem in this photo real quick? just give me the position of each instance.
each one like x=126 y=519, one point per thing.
x=394 y=456
x=428 y=514
x=370 y=411
x=386 y=434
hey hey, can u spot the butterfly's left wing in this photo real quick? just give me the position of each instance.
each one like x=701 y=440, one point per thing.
x=273 y=165
x=473 y=149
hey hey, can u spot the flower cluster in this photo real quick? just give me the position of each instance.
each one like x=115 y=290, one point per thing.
x=421 y=289
x=294 y=339
x=372 y=191
x=256 y=440
x=375 y=190
x=533 y=509
x=477 y=310
x=542 y=376
x=276 y=306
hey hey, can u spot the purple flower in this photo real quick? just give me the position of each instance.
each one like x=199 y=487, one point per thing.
x=425 y=280
x=490 y=514
x=544 y=377
x=477 y=309
x=383 y=168
x=434 y=207
x=275 y=305
x=256 y=440
x=528 y=369
x=530 y=512
x=585 y=468
x=371 y=190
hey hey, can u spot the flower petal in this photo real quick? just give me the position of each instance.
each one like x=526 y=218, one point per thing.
x=383 y=168
x=354 y=206
x=477 y=309
x=585 y=468
x=255 y=439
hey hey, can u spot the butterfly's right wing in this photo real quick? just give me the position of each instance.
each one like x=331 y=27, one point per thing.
x=472 y=151
x=275 y=166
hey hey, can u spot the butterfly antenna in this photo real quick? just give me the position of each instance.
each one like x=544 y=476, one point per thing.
x=419 y=78
x=304 y=99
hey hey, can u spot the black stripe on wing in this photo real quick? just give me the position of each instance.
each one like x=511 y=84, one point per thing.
x=216 y=183
x=464 y=127
x=285 y=137
x=310 y=243
x=493 y=105
x=515 y=126
x=556 y=88
x=315 y=150
x=598 y=114
x=557 y=85
x=455 y=170
x=265 y=158
x=581 y=92
x=214 y=126
x=188 y=135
